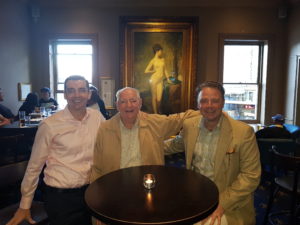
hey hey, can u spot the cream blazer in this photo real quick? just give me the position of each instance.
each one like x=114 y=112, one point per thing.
x=153 y=130
x=237 y=165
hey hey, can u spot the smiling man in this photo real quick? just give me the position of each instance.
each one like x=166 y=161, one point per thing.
x=132 y=138
x=224 y=150
x=64 y=143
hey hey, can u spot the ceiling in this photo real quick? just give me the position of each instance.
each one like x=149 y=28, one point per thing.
x=162 y=3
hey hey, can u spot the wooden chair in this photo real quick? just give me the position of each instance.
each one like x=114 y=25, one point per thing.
x=285 y=176
x=10 y=176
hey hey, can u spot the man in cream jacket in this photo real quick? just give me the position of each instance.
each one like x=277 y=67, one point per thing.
x=132 y=138
x=224 y=150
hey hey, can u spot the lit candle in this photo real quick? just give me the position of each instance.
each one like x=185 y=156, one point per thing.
x=149 y=181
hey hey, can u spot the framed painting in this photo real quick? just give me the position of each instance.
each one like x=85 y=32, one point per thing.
x=23 y=90
x=158 y=57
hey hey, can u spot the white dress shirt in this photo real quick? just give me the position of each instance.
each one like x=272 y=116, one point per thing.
x=66 y=146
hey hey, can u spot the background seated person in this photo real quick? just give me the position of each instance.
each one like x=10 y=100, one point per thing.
x=276 y=130
x=46 y=101
x=4 y=111
x=96 y=102
x=31 y=101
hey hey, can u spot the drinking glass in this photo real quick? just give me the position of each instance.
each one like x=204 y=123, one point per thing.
x=27 y=120
x=48 y=112
x=22 y=118
x=43 y=111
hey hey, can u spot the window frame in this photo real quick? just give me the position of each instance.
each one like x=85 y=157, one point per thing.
x=250 y=39
x=70 y=39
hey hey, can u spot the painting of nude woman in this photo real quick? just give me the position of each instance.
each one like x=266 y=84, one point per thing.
x=158 y=57
x=157 y=66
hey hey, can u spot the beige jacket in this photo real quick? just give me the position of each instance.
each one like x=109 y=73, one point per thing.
x=237 y=165
x=153 y=130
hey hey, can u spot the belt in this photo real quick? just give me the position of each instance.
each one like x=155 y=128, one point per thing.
x=65 y=190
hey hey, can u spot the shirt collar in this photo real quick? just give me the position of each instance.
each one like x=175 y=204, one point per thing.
x=68 y=115
x=202 y=127
x=134 y=126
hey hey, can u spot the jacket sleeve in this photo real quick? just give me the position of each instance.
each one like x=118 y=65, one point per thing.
x=249 y=173
x=173 y=123
x=174 y=145
x=96 y=171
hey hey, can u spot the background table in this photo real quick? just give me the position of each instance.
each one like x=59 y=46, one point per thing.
x=16 y=142
x=14 y=128
x=180 y=196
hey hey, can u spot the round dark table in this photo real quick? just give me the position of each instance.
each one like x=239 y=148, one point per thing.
x=180 y=196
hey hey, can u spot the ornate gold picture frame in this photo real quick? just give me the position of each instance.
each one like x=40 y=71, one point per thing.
x=158 y=57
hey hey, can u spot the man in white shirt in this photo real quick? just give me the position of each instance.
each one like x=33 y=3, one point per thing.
x=64 y=142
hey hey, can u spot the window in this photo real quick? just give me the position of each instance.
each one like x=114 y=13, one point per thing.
x=70 y=57
x=242 y=70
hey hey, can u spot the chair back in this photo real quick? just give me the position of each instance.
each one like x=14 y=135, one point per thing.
x=12 y=173
x=285 y=146
x=286 y=163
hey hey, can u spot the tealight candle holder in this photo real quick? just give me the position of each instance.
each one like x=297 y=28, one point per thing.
x=149 y=181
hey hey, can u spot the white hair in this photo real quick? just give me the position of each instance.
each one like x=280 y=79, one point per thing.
x=127 y=88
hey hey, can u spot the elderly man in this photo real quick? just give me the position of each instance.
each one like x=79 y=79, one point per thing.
x=65 y=143
x=224 y=150
x=131 y=139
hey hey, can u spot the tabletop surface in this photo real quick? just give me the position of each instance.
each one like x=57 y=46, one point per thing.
x=180 y=196
x=14 y=128
x=16 y=125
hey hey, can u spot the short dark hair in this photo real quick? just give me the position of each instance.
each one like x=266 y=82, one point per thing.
x=156 y=48
x=211 y=84
x=76 y=77
x=32 y=98
x=45 y=89
x=93 y=88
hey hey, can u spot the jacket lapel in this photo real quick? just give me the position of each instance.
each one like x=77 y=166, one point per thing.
x=114 y=127
x=142 y=136
x=223 y=143
x=190 y=140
